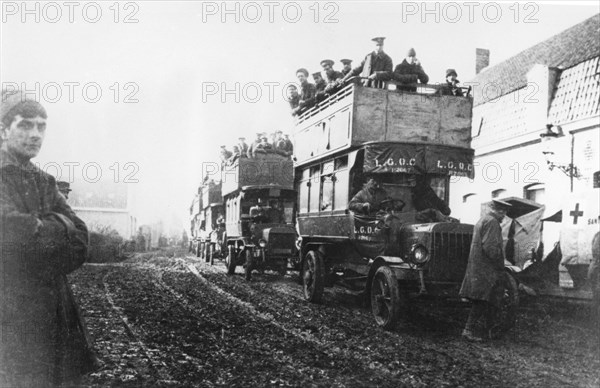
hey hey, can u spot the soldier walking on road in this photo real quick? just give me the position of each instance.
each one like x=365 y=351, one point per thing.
x=485 y=271
x=44 y=339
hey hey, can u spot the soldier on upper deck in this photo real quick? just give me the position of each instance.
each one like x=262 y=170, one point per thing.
x=263 y=147
x=347 y=66
x=451 y=87
x=241 y=148
x=252 y=146
x=308 y=90
x=280 y=145
x=289 y=146
x=334 y=77
x=224 y=154
x=410 y=71
x=320 y=86
x=377 y=66
x=293 y=99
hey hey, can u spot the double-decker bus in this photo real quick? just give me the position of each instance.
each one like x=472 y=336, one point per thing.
x=412 y=143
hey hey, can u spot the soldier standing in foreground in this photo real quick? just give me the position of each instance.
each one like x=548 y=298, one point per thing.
x=44 y=340
x=485 y=271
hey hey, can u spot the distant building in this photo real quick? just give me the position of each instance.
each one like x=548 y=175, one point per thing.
x=104 y=203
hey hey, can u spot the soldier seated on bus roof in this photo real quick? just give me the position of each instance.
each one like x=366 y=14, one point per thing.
x=334 y=78
x=368 y=200
x=409 y=72
x=264 y=147
x=320 y=86
x=347 y=63
x=280 y=145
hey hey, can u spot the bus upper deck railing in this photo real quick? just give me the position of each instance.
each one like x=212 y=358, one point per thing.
x=390 y=85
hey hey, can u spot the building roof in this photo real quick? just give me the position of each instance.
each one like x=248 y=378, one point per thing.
x=577 y=95
x=564 y=50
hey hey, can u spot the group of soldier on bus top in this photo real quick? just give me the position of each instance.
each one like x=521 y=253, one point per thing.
x=375 y=69
x=279 y=144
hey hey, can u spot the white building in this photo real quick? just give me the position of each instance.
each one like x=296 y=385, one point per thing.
x=554 y=82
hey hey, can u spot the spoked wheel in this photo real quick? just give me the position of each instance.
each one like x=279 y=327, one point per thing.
x=313 y=277
x=230 y=261
x=248 y=267
x=385 y=298
x=506 y=313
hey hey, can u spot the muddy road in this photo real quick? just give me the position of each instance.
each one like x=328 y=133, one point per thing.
x=176 y=321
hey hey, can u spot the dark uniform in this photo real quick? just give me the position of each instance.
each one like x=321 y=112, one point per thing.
x=289 y=146
x=407 y=73
x=44 y=339
x=254 y=144
x=280 y=145
x=262 y=148
x=485 y=271
x=241 y=148
x=64 y=188
x=450 y=88
x=379 y=64
x=367 y=200
x=424 y=198
x=294 y=100
x=308 y=92
x=347 y=66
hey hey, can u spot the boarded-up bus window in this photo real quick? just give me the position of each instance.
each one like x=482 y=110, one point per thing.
x=314 y=189
x=340 y=201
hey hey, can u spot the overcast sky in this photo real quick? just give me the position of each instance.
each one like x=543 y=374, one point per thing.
x=173 y=60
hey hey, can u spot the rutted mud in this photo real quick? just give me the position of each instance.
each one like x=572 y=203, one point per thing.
x=176 y=321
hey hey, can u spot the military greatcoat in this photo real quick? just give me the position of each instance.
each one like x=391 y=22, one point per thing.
x=44 y=340
x=380 y=64
x=485 y=268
